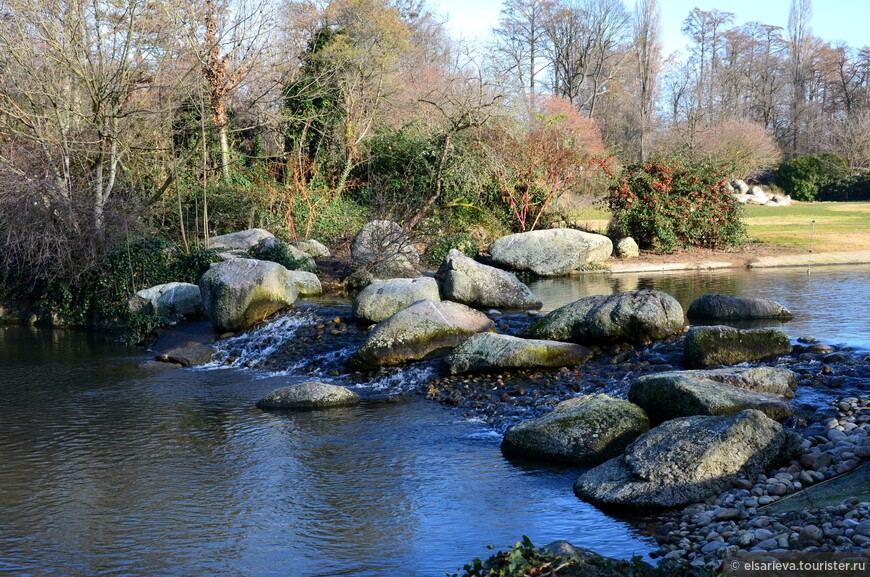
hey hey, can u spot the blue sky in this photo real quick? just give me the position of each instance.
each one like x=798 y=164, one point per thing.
x=833 y=20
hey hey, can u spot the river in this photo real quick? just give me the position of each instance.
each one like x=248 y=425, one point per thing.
x=109 y=468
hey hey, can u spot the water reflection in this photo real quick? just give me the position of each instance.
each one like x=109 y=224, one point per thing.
x=827 y=301
x=176 y=473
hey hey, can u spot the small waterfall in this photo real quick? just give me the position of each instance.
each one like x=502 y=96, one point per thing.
x=253 y=348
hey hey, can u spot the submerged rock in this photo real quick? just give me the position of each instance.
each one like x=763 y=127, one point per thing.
x=308 y=396
x=635 y=317
x=584 y=430
x=242 y=240
x=687 y=460
x=241 y=292
x=423 y=330
x=725 y=307
x=675 y=394
x=188 y=355
x=469 y=282
x=721 y=345
x=490 y=351
x=552 y=252
x=382 y=299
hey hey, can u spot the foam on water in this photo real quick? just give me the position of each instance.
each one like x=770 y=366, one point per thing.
x=248 y=350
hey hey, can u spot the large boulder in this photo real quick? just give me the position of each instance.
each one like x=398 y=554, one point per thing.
x=241 y=292
x=423 y=330
x=382 y=299
x=771 y=380
x=469 y=282
x=721 y=345
x=312 y=248
x=383 y=250
x=168 y=301
x=307 y=284
x=491 y=351
x=724 y=307
x=242 y=240
x=675 y=394
x=552 y=252
x=308 y=396
x=636 y=317
x=687 y=460
x=585 y=430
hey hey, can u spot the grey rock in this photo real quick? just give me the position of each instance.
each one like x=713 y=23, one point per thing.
x=471 y=283
x=382 y=249
x=312 y=248
x=168 y=301
x=725 y=307
x=423 y=330
x=307 y=284
x=242 y=240
x=627 y=248
x=552 y=252
x=584 y=430
x=383 y=298
x=188 y=355
x=674 y=394
x=241 y=292
x=308 y=396
x=636 y=317
x=489 y=351
x=687 y=460
x=721 y=345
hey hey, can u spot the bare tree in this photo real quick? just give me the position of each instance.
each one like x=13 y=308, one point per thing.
x=647 y=50
x=521 y=37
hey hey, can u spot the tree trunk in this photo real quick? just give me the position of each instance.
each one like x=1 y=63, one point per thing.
x=439 y=177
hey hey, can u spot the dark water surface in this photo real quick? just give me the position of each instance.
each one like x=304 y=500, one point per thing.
x=107 y=468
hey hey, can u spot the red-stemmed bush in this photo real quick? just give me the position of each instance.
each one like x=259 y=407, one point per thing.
x=666 y=204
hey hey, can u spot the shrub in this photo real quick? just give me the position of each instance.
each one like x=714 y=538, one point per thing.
x=463 y=242
x=99 y=297
x=279 y=251
x=803 y=176
x=666 y=204
x=851 y=188
x=745 y=147
x=524 y=559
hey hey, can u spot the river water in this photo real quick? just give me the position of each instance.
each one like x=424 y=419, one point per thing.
x=108 y=468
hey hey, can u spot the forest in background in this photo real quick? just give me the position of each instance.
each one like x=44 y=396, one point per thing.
x=131 y=121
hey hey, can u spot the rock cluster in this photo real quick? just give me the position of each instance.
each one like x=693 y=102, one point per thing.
x=757 y=515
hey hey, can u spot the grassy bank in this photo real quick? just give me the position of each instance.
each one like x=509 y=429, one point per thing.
x=839 y=226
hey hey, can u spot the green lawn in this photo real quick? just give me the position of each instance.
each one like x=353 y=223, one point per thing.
x=839 y=226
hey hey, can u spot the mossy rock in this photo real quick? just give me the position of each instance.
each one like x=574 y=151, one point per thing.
x=635 y=317
x=491 y=351
x=308 y=396
x=241 y=292
x=585 y=430
x=721 y=345
x=424 y=330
